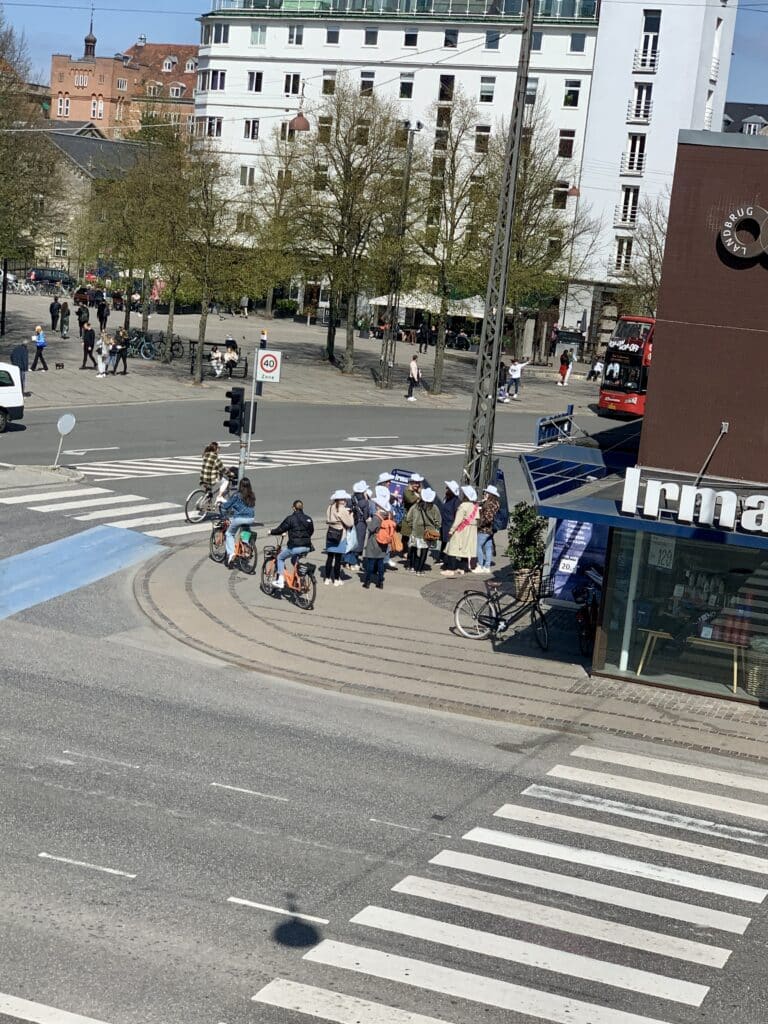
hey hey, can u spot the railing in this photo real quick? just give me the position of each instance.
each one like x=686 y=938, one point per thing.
x=625 y=218
x=546 y=10
x=633 y=163
x=639 y=113
x=647 y=63
x=714 y=70
x=708 y=119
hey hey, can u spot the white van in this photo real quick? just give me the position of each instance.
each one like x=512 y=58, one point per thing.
x=11 y=395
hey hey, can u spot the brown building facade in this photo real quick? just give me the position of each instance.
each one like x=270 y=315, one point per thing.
x=149 y=81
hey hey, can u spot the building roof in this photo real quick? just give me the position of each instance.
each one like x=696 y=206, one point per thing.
x=737 y=113
x=97 y=157
x=76 y=128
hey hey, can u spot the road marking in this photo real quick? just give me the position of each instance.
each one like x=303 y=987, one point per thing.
x=86 y=864
x=277 y=910
x=250 y=792
x=471 y=940
x=462 y=985
x=631 y=837
x=621 y=865
x=673 y=794
x=21 y=499
x=334 y=1006
x=148 y=520
x=105 y=760
x=84 y=451
x=175 y=531
x=650 y=814
x=630 y=899
x=37 y=1013
x=117 y=499
x=375 y=437
x=563 y=920
x=684 y=769
x=127 y=511
x=410 y=828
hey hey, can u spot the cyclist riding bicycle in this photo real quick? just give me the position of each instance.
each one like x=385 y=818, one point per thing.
x=212 y=468
x=299 y=527
x=240 y=510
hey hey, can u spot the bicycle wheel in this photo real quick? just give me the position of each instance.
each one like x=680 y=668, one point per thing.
x=474 y=616
x=248 y=558
x=267 y=577
x=217 y=546
x=147 y=349
x=177 y=349
x=305 y=598
x=197 y=506
x=540 y=627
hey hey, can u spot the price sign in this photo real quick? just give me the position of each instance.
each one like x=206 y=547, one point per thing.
x=268 y=366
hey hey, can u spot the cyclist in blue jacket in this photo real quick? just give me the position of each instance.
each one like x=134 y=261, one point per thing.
x=240 y=511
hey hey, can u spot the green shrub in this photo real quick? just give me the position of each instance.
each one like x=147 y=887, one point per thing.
x=526 y=536
x=286 y=308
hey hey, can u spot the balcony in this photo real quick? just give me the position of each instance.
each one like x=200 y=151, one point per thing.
x=633 y=164
x=625 y=218
x=639 y=113
x=646 y=63
x=714 y=70
x=560 y=11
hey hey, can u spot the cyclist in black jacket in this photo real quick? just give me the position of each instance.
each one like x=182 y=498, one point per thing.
x=299 y=527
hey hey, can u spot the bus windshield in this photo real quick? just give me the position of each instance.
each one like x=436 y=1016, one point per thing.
x=626 y=329
x=624 y=371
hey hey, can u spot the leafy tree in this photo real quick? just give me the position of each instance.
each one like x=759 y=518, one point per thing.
x=639 y=291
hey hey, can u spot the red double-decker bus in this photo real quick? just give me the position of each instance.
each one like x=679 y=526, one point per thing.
x=625 y=374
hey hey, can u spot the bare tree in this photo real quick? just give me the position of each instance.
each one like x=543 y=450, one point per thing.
x=267 y=218
x=639 y=291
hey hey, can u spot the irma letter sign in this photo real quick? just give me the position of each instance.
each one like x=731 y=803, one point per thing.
x=745 y=217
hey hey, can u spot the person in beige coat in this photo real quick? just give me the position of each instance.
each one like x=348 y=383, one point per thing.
x=462 y=540
x=338 y=519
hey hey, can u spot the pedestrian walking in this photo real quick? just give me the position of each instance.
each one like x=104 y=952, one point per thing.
x=39 y=339
x=423 y=523
x=380 y=529
x=101 y=348
x=244 y=306
x=571 y=361
x=55 y=310
x=423 y=336
x=515 y=374
x=20 y=359
x=486 y=520
x=565 y=362
x=502 y=395
x=82 y=318
x=102 y=314
x=462 y=543
x=338 y=519
x=64 y=320
x=414 y=377
x=89 y=341
x=121 y=351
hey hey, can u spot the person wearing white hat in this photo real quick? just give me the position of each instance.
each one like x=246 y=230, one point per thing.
x=423 y=523
x=380 y=529
x=361 y=510
x=447 y=506
x=486 y=525
x=338 y=519
x=462 y=542
x=383 y=478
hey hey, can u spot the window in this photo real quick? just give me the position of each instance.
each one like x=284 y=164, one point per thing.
x=406 y=86
x=332 y=36
x=244 y=221
x=292 y=84
x=371 y=37
x=630 y=200
x=572 y=90
x=649 y=47
x=176 y=119
x=578 y=42
x=208 y=126
x=411 y=39
x=623 y=253
x=451 y=38
x=445 y=92
x=366 y=82
x=555 y=247
x=492 y=40
x=438 y=166
x=635 y=155
x=94 y=105
x=100 y=108
x=206 y=33
x=320 y=177
x=641 y=101
x=560 y=195
x=251 y=128
x=190 y=122
x=255 y=81
x=749 y=128
x=536 y=41
x=295 y=35
x=247 y=176
x=284 y=178
x=191 y=66
x=362 y=131
x=329 y=82
x=441 y=138
x=487 y=85
x=286 y=132
x=221 y=33
x=258 y=35
x=81 y=81
x=401 y=134
x=482 y=137
x=65 y=110
x=169 y=64
x=203 y=79
x=324 y=126
x=565 y=145
x=218 y=80
x=60 y=99
x=176 y=91
x=122 y=84
x=61 y=76
x=443 y=117
x=531 y=88
x=119 y=109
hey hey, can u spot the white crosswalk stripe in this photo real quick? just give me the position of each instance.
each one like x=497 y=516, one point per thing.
x=634 y=950
x=135 y=469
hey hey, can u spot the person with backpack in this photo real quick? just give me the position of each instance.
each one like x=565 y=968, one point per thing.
x=338 y=519
x=486 y=527
x=423 y=522
x=361 y=510
x=380 y=529
x=462 y=543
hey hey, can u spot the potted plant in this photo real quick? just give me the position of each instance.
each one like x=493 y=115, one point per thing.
x=526 y=535
x=364 y=326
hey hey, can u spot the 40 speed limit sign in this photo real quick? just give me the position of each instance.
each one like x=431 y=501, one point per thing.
x=268 y=366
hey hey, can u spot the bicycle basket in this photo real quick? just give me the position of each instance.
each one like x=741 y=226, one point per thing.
x=305 y=568
x=269 y=551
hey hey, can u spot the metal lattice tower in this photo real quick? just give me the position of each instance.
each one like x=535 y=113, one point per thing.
x=478 y=465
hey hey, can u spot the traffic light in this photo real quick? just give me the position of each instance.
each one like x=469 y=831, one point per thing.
x=235 y=411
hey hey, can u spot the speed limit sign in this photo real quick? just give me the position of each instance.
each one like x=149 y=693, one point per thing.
x=268 y=366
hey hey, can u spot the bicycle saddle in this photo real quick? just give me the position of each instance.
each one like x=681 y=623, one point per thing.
x=493 y=584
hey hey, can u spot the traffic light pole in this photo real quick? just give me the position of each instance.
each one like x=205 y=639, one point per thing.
x=479 y=458
x=256 y=391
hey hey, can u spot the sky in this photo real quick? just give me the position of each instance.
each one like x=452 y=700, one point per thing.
x=58 y=26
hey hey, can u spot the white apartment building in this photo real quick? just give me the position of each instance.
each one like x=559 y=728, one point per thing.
x=617 y=79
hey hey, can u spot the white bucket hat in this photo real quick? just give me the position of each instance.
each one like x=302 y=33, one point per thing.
x=490 y=489
x=340 y=496
x=382 y=502
x=469 y=492
x=416 y=478
x=384 y=478
x=427 y=494
x=360 y=487
x=452 y=486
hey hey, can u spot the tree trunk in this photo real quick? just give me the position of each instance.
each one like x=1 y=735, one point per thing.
x=437 y=375
x=269 y=303
x=205 y=301
x=145 y=292
x=330 y=336
x=169 y=328
x=349 y=352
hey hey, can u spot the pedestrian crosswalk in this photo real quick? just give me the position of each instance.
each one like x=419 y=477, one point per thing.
x=608 y=909
x=136 y=469
x=103 y=507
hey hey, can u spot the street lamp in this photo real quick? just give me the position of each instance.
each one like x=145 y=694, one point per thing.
x=389 y=341
x=299 y=123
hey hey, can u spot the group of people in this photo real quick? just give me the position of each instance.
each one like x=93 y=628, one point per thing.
x=226 y=360
x=510 y=379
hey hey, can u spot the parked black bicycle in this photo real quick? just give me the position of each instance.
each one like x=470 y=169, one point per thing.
x=588 y=598
x=479 y=615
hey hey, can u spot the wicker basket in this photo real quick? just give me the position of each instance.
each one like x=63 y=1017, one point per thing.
x=527 y=583
x=757 y=673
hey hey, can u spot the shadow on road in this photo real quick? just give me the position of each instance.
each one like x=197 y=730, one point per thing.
x=296 y=933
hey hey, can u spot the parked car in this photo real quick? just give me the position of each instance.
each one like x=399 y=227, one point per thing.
x=10 y=278
x=80 y=298
x=50 y=275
